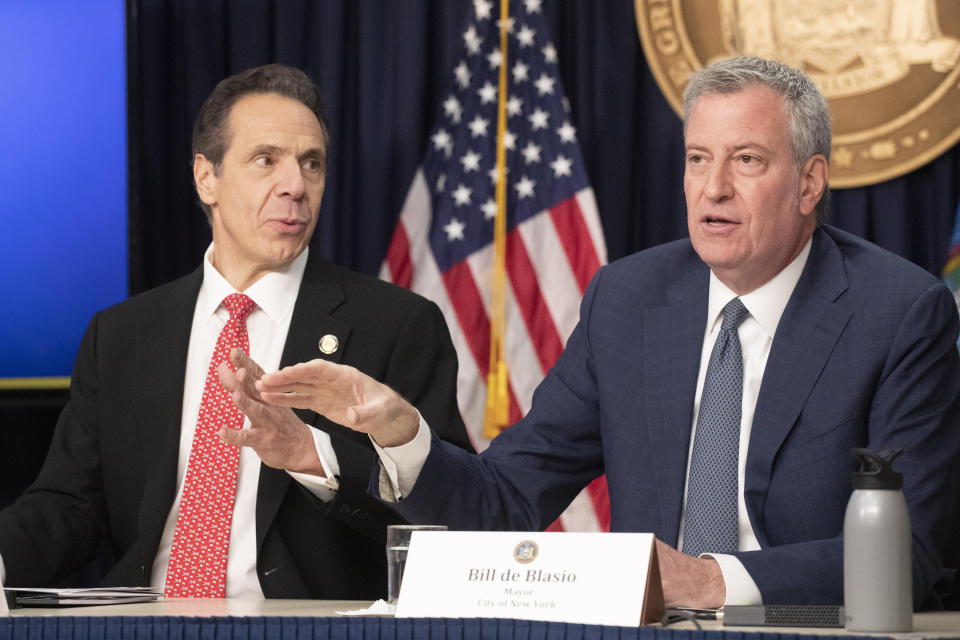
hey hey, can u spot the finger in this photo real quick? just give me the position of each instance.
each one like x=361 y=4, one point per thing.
x=283 y=399
x=314 y=371
x=238 y=437
x=248 y=406
x=247 y=382
x=227 y=377
x=252 y=438
x=242 y=360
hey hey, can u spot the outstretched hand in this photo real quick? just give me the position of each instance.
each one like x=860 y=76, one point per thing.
x=278 y=436
x=343 y=395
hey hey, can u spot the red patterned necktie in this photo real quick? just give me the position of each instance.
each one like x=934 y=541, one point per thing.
x=198 y=556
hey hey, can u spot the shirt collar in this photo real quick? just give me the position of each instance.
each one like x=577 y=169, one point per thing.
x=766 y=303
x=275 y=293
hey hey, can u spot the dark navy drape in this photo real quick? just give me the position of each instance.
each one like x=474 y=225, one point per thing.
x=382 y=65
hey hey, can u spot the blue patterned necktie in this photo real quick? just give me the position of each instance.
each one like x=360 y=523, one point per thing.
x=710 y=523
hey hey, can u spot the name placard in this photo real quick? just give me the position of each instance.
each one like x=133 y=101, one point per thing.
x=589 y=578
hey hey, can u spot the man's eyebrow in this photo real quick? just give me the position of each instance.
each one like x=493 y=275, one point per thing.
x=261 y=149
x=316 y=152
x=750 y=145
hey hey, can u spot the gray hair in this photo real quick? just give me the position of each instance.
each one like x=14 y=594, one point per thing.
x=807 y=114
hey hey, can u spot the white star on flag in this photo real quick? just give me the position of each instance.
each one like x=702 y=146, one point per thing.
x=472 y=40
x=461 y=195
x=453 y=109
x=520 y=72
x=550 y=53
x=482 y=8
x=495 y=58
x=470 y=161
x=489 y=209
x=487 y=93
x=525 y=36
x=441 y=140
x=462 y=73
x=531 y=153
x=561 y=166
x=493 y=175
x=525 y=188
x=544 y=84
x=539 y=119
x=478 y=126
x=533 y=6
x=514 y=106
x=454 y=230
x=567 y=132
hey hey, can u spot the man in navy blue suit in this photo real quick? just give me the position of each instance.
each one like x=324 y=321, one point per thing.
x=843 y=345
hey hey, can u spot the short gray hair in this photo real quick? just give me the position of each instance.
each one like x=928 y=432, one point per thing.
x=807 y=114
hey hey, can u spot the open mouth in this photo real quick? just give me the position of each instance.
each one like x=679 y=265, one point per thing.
x=716 y=221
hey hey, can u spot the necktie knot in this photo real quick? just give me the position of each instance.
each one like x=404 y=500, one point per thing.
x=239 y=306
x=733 y=314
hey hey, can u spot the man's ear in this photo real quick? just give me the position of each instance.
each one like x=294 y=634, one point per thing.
x=813 y=182
x=205 y=179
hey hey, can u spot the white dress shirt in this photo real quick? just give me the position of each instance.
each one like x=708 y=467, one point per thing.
x=267 y=325
x=766 y=305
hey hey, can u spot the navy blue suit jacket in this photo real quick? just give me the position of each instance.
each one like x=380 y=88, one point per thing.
x=864 y=356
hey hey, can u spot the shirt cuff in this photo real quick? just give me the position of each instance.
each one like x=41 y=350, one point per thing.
x=402 y=464
x=322 y=488
x=741 y=589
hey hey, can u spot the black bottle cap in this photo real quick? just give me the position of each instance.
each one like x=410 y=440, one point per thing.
x=876 y=469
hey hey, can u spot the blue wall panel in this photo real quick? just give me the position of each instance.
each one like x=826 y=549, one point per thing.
x=63 y=177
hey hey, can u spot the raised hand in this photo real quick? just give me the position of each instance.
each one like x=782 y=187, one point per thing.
x=278 y=436
x=343 y=395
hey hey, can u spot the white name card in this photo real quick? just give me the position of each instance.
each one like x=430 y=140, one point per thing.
x=590 y=578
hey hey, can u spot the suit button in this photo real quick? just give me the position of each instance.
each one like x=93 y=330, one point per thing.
x=345 y=510
x=355 y=514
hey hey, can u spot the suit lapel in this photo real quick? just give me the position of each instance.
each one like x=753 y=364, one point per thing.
x=672 y=342
x=321 y=293
x=160 y=359
x=809 y=328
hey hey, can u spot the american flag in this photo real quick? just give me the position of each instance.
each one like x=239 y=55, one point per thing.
x=442 y=246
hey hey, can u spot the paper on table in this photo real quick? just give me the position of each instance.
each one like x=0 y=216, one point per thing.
x=378 y=608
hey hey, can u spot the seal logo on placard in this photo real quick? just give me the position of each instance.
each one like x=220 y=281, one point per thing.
x=526 y=552
x=890 y=69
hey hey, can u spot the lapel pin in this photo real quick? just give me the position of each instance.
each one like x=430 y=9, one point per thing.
x=329 y=343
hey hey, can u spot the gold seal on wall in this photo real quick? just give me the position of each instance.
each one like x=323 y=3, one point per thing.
x=890 y=69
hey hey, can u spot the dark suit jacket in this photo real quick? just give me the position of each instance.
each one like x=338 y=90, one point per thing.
x=110 y=475
x=865 y=355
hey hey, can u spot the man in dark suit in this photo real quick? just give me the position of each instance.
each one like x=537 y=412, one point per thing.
x=827 y=342
x=301 y=524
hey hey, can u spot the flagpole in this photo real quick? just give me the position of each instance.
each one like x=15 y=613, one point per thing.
x=497 y=414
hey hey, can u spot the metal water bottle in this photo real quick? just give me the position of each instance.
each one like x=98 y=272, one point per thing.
x=877 y=561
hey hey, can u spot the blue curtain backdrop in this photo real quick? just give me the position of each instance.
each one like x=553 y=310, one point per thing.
x=382 y=64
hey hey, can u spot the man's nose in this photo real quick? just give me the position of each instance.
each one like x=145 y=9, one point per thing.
x=290 y=180
x=718 y=187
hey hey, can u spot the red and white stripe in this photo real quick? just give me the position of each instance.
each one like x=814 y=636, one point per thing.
x=550 y=260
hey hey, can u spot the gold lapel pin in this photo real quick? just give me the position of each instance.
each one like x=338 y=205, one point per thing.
x=329 y=343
